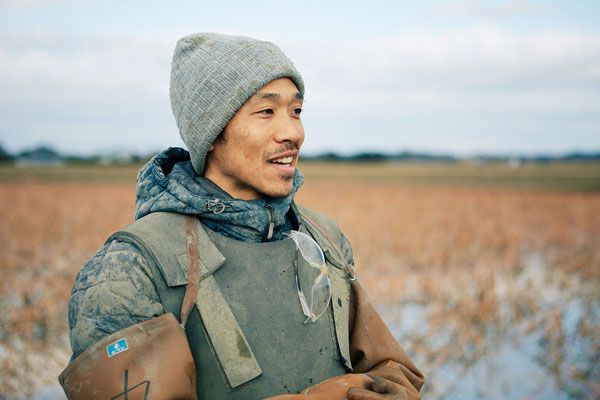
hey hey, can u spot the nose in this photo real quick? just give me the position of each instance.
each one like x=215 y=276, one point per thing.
x=290 y=129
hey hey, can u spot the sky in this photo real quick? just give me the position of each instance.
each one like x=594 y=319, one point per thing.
x=460 y=77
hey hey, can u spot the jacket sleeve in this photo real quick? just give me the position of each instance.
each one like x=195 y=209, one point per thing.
x=373 y=348
x=374 y=351
x=111 y=292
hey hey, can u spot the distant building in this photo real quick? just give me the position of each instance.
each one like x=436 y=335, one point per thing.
x=118 y=158
x=514 y=162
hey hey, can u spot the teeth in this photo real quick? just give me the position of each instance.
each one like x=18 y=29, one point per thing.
x=283 y=160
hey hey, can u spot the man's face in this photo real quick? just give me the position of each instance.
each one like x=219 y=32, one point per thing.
x=258 y=151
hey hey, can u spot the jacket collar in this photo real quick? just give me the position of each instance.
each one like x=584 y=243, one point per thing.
x=168 y=183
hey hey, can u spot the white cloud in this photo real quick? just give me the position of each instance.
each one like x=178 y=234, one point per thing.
x=476 y=8
x=28 y=4
x=475 y=64
x=452 y=81
x=85 y=62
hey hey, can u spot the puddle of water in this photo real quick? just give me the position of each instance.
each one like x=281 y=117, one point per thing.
x=534 y=355
x=548 y=355
x=50 y=393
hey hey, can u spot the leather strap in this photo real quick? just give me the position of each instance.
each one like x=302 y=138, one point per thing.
x=193 y=250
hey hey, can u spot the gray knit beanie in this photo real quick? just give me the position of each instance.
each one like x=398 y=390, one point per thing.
x=212 y=76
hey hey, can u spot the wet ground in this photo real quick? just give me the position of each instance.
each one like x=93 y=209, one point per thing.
x=553 y=355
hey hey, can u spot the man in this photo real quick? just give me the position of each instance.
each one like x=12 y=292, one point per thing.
x=237 y=102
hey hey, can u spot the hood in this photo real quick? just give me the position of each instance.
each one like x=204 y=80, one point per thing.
x=168 y=183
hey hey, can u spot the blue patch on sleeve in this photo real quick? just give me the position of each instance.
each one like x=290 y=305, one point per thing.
x=116 y=347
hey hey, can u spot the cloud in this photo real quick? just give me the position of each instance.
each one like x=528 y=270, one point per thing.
x=479 y=9
x=487 y=88
x=84 y=62
x=69 y=88
x=480 y=61
x=28 y=4
x=476 y=81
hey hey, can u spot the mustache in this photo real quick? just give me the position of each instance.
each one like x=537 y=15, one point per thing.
x=283 y=148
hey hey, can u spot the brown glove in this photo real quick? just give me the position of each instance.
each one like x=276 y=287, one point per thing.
x=391 y=377
x=382 y=389
x=335 y=388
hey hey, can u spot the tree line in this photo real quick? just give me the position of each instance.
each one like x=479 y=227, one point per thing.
x=48 y=154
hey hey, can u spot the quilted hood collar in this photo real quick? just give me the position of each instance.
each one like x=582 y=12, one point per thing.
x=168 y=183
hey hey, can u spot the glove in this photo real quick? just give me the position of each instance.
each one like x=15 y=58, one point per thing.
x=382 y=389
x=335 y=388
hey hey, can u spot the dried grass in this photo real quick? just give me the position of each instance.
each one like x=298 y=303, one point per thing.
x=463 y=254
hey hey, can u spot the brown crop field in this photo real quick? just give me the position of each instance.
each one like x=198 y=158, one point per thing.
x=488 y=275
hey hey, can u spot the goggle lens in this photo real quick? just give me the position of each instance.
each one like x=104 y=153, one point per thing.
x=320 y=292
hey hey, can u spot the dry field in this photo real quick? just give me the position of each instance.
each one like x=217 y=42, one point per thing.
x=492 y=288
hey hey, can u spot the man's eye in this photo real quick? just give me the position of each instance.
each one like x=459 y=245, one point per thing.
x=297 y=111
x=266 y=111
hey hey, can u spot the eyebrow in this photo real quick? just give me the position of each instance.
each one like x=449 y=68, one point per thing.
x=275 y=96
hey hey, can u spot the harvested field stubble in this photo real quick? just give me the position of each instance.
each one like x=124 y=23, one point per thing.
x=457 y=272
x=465 y=274
x=47 y=233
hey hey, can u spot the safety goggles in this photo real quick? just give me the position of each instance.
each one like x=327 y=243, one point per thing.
x=320 y=292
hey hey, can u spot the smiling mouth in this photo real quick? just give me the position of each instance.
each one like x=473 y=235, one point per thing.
x=286 y=161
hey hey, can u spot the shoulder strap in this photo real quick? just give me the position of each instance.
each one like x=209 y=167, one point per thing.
x=162 y=238
x=175 y=242
x=151 y=235
x=328 y=235
x=193 y=250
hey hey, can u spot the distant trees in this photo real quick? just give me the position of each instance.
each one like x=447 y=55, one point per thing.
x=46 y=155
x=374 y=156
x=407 y=156
x=5 y=156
